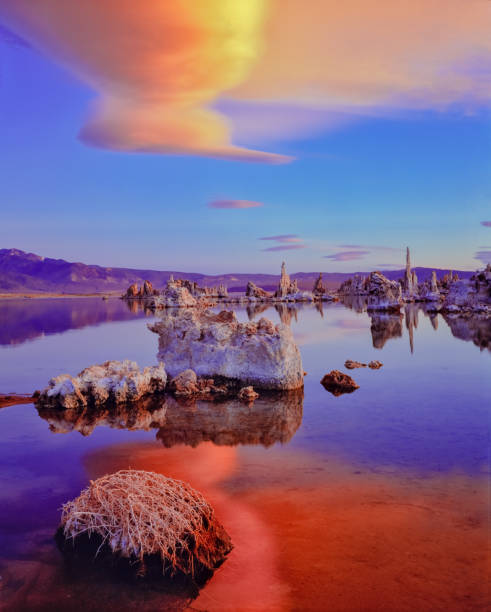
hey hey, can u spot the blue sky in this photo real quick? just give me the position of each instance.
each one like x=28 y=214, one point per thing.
x=365 y=187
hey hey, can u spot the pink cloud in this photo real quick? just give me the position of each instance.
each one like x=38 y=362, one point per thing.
x=347 y=255
x=486 y=223
x=283 y=238
x=234 y=204
x=285 y=247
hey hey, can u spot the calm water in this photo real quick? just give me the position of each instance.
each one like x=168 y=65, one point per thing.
x=375 y=500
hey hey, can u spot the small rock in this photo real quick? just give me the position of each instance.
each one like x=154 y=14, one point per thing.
x=375 y=365
x=338 y=383
x=351 y=365
x=247 y=394
x=185 y=383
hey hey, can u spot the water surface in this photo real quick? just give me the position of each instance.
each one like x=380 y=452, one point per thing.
x=374 y=500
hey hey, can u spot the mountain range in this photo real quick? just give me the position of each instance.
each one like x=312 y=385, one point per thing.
x=22 y=272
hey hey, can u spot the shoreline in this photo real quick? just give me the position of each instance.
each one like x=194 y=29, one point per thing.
x=37 y=296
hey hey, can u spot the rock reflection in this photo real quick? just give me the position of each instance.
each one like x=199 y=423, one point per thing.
x=143 y=414
x=266 y=421
x=253 y=310
x=286 y=312
x=270 y=419
x=475 y=328
x=385 y=326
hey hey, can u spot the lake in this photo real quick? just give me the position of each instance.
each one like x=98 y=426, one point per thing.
x=374 y=500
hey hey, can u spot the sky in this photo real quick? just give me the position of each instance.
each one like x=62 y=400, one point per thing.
x=230 y=135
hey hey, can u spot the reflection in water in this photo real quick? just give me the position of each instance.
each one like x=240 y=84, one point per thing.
x=270 y=419
x=411 y=316
x=475 y=328
x=27 y=319
x=266 y=421
x=142 y=415
x=286 y=312
x=254 y=310
x=384 y=326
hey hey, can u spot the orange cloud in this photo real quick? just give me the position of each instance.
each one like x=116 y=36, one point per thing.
x=186 y=77
x=156 y=67
x=368 y=53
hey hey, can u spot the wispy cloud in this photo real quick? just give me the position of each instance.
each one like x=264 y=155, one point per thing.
x=486 y=223
x=483 y=256
x=283 y=238
x=285 y=247
x=368 y=246
x=347 y=255
x=234 y=204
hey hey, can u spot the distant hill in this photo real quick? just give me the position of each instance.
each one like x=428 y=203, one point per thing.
x=22 y=272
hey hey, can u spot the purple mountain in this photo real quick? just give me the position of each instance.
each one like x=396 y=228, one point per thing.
x=22 y=272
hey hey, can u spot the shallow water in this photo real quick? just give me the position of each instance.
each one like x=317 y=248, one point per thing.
x=374 y=500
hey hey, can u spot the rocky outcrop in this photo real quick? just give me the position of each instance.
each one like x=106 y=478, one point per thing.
x=383 y=294
x=351 y=365
x=319 y=289
x=145 y=291
x=337 y=383
x=287 y=287
x=354 y=286
x=473 y=295
x=222 y=291
x=254 y=291
x=218 y=346
x=112 y=381
x=187 y=384
x=175 y=295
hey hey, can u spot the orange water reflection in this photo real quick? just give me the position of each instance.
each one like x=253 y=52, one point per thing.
x=313 y=534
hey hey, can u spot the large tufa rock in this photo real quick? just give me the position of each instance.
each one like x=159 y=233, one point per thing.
x=218 y=346
x=175 y=295
x=132 y=291
x=287 y=287
x=354 y=286
x=319 y=288
x=113 y=381
x=430 y=292
x=145 y=291
x=252 y=290
x=383 y=294
x=473 y=295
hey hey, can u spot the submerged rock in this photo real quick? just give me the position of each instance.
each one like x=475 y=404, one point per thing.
x=112 y=381
x=218 y=346
x=337 y=383
x=351 y=365
x=247 y=394
x=151 y=523
x=375 y=365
